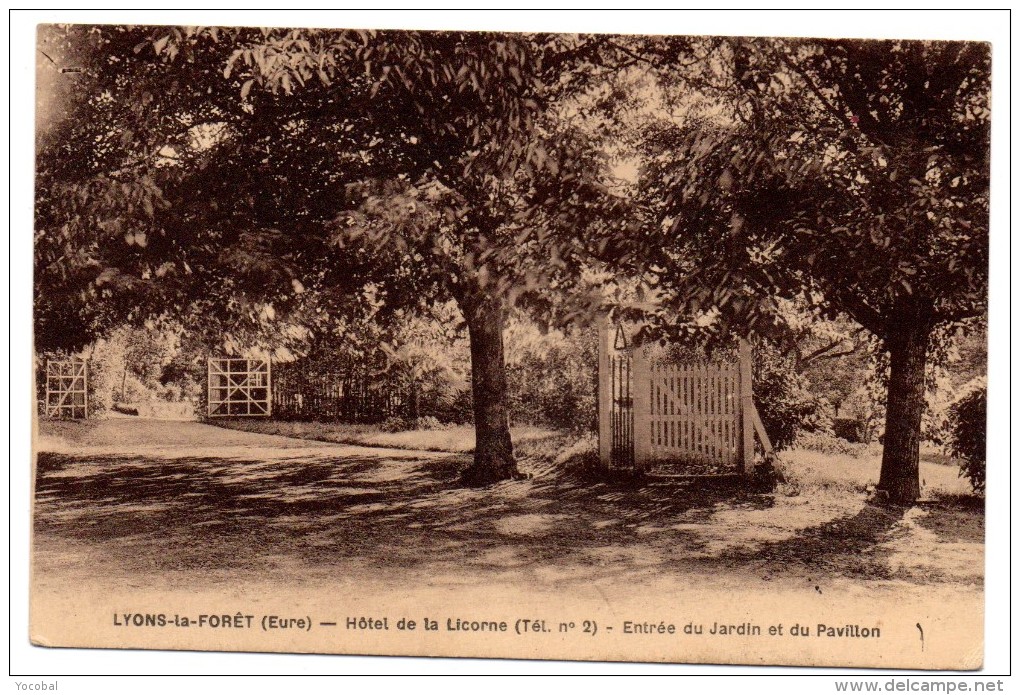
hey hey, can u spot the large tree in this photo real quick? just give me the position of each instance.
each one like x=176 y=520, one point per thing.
x=511 y=185
x=852 y=175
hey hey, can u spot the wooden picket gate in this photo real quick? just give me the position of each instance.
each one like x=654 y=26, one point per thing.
x=67 y=393
x=238 y=387
x=658 y=417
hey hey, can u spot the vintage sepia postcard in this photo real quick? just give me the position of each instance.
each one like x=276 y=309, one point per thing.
x=595 y=347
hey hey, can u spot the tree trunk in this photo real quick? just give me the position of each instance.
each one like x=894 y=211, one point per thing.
x=907 y=342
x=494 y=454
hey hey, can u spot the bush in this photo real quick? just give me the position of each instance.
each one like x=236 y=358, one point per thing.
x=829 y=444
x=400 y=424
x=171 y=393
x=428 y=422
x=455 y=409
x=862 y=413
x=782 y=396
x=394 y=424
x=553 y=379
x=133 y=390
x=967 y=423
x=856 y=430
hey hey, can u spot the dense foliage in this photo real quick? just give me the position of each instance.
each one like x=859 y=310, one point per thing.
x=783 y=397
x=969 y=421
x=553 y=377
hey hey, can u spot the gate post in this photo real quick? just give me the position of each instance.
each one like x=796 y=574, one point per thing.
x=605 y=394
x=208 y=387
x=642 y=408
x=269 y=387
x=746 y=410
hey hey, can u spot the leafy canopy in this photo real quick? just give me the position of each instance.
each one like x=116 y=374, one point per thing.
x=850 y=174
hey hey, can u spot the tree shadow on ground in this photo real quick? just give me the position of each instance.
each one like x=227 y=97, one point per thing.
x=412 y=519
x=955 y=519
x=849 y=546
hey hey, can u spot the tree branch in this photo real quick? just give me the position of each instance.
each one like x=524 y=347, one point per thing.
x=833 y=111
x=961 y=314
x=632 y=55
x=837 y=355
x=861 y=312
x=820 y=352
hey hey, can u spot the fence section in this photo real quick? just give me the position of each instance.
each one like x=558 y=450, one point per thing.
x=239 y=387
x=67 y=389
x=303 y=391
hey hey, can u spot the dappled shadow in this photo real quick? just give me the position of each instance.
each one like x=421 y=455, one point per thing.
x=849 y=546
x=297 y=511
x=224 y=513
x=111 y=497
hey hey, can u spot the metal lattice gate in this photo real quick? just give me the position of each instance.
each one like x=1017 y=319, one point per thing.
x=67 y=389
x=238 y=387
x=621 y=454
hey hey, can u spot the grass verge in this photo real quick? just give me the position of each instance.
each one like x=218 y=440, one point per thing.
x=805 y=469
x=456 y=438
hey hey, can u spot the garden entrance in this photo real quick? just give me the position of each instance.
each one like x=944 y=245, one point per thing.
x=659 y=416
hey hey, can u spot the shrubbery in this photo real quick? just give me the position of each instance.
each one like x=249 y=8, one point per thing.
x=394 y=424
x=832 y=445
x=401 y=424
x=130 y=365
x=428 y=422
x=452 y=407
x=968 y=418
x=553 y=379
x=782 y=396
